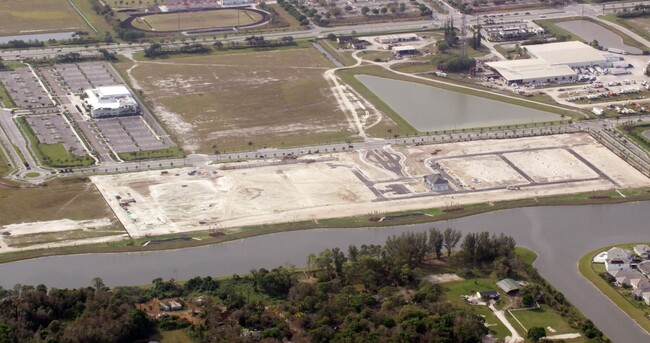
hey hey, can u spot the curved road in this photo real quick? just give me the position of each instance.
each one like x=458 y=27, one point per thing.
x=559 y=235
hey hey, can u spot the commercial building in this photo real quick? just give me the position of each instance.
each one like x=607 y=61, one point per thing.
x=392 y=39
x=110 y=101
x=533 y=71
x=405 y=50
x=236 y=2
x=551 y=62
x=573 y=54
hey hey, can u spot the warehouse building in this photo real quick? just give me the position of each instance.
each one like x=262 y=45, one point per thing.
x=111 y=101
x=573 y=53
x=550 y=63
x=533 y=71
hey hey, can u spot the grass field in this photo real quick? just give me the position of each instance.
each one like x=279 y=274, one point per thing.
x=243 y=101
x=76 y=199
x=196 y=20
x=38 y=16
x=640 y=25
x=5 y=167
x=543 y=317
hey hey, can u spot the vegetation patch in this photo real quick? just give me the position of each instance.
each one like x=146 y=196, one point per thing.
x=152 y=154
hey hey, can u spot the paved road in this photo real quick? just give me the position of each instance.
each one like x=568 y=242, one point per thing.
x=13 y=133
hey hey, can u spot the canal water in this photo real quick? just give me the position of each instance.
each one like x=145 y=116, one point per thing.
x=429 y=108
x=43 y=37
x=589 y=31
x=559 y=234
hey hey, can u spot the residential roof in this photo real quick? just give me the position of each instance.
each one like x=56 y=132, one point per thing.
x=509 y=285
x=488 y=293
x=644 y=267
x=565 y=52
x=618 y=253
x=528 y=69
x=625 y=272
x=641 y=249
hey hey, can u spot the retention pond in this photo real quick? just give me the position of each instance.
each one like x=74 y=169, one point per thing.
x=590 y=31
x=429 y=108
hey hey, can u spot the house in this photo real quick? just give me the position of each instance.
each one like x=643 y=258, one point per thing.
x=637 y=293
x=175 y=306
x=624 y=277
x=644 y=267
x=488 y=295
x=640 y=283
x=643 y=250
x=509 y=286
x=405 y=50
x=645 y=296
x=344 y=39
x=617 y=259
x=436 y=183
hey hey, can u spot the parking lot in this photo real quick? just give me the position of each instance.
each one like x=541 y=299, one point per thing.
x=76 y=78
x=130 y=134
x=24 y=88
x=53 y=129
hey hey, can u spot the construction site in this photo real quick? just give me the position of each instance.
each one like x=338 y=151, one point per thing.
x=390 y=179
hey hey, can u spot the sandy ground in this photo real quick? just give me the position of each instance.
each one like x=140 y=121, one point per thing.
x=442 y=278
x=348 y=185
x=482 y=172
x=54 y=226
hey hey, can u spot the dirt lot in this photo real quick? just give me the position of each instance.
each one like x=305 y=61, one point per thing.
x=349 y=184
x=38 y=16
x=243 y=101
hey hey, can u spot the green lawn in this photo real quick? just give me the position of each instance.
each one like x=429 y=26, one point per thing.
x=6 y=99
x=175 y=336
x=151 y=154
x=456 y=289
x=637 y=310
x=345 y=57
x=544 y=317
x=5 y=167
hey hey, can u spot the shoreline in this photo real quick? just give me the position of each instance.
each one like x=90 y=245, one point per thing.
x=203 y=238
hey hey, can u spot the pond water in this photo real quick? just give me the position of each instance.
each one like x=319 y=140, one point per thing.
x=43 y=37
x=589 y=31
x=429 y=108
x=559 y=234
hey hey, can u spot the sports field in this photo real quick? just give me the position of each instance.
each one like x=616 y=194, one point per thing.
x=38 y=16
x=197 y=20
x=243 y=101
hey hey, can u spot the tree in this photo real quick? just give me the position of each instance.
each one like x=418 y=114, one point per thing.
x=375 y=11
x=98 y=284
x=451 y=239
x=365 y=10
x=402 y=7
x=442 y=46
x=535 y=334
x=384 y=10
x=436 y=239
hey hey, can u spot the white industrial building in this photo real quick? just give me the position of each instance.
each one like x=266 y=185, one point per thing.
x=111 y=101
x=573 y=53
x=550 y=63
x=392 y=39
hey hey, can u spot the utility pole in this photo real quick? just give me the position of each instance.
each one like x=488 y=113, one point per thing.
x=463 y=23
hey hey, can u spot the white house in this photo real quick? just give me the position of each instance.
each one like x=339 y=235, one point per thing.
x=643 y=250
x=111 y=101
x=436 y=183
x=617 y=259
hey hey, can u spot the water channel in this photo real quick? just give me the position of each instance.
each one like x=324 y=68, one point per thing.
x=429 y=108
x=43 y=37
x=559 y=234
x=590 y=31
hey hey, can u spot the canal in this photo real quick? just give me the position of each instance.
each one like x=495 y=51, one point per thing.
x=559 y=234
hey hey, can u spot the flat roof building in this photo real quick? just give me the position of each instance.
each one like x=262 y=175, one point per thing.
x=533 y=71
x=552 y=62
x=390 y=39
x=111 y=101
x=573 y=53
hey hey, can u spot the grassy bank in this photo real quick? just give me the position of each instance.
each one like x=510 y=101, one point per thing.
x=639 y=315
x=394 y=219
x=152 y=154
x=629 y=23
